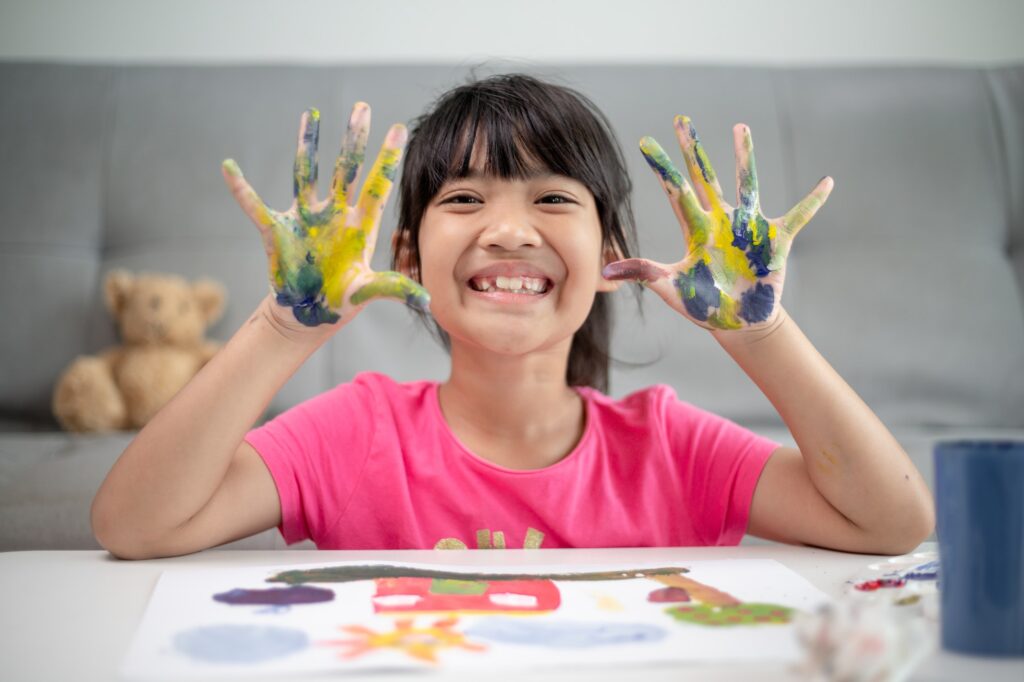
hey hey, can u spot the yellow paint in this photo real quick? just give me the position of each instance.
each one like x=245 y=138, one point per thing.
x=422 y=643
x=606 y=602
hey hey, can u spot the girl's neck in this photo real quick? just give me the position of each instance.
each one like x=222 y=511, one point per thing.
x=516 y=411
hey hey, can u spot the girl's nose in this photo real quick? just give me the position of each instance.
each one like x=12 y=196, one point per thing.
x=510 y=233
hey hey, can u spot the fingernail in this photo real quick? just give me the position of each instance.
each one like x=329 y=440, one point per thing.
x=397 y=135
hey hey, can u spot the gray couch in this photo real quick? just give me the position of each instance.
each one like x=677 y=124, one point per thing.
x=909 y=280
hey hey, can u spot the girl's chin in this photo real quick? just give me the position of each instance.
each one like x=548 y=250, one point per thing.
x=501 y=339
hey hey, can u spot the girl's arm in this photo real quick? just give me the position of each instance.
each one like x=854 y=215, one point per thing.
x=188 y=481
x=850 y=485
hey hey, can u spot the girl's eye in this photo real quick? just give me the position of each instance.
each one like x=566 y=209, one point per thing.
x=556 y=199
x=461 y=199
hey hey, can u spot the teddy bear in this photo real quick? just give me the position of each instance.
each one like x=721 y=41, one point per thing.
x=163 y=321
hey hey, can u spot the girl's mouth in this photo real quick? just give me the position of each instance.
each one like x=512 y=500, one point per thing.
x=510 y=289
x=515 y=285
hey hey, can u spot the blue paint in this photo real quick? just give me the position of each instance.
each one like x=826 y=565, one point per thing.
x=310 y=143
x=705 y=293
x=564 y=634
x=303 y=295
x=926 y=571
x=757 y=303
x=239 y=644
x=758 y=255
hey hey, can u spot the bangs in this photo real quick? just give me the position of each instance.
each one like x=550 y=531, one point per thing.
x=508 y=136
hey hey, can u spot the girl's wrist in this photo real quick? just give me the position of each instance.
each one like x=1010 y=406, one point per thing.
x=751 y=335
x=282 y=320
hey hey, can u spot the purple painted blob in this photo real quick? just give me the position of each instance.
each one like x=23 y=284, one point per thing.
x=276 y=596
x=669 y=595
x=633 y=268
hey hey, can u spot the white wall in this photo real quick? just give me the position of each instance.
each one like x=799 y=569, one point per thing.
x=758 y=31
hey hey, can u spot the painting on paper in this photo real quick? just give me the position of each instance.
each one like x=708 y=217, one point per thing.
x=359 y=616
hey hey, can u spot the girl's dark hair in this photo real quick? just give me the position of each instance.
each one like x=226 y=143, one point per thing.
x=524 y=125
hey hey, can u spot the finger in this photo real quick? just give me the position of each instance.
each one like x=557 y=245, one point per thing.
x=304 y=184
x=353 y=152
x=801 y=214
x=379 y=181
x=635 y=269
x=246 y=196
x=393 y=285
x=684 y=202
x=705 y=182
x=746 y=172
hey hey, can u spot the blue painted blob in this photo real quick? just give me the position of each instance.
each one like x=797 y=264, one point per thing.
x=276 y=596
x=757 y=303
x=705 y=293
x=303 y=294
x=235 y=644
x=564 y=634
x=758 y=255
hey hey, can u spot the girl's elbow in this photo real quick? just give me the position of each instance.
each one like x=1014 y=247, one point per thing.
x=914 y=527
x=112 y=534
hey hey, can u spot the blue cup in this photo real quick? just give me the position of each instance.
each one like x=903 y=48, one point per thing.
x=979 y=497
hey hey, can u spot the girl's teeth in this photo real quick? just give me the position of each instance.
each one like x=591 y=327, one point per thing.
x=515 y=285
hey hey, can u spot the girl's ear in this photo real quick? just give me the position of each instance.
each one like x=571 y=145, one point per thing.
x=403 y=255
x=611 y=254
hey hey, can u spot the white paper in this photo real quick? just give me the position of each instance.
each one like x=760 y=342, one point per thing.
x=464 y=622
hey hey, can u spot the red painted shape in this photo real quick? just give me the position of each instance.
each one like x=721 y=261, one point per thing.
x=544 y=591
x=872 y=585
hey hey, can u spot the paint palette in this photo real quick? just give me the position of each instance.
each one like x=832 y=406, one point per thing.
x=909 y=581
x=883 y=626
x=355 y=616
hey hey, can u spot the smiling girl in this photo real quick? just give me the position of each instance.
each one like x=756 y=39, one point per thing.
x=515 y=217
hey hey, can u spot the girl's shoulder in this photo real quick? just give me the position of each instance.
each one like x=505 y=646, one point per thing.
x=657 y=402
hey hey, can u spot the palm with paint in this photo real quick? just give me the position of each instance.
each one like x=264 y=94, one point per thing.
x=732 y=274
x=320 y=250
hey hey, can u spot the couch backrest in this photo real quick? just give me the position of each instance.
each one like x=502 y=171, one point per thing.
x=909 y=280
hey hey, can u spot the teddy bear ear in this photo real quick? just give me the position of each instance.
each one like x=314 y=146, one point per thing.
x=116 y=286
x=209 y=296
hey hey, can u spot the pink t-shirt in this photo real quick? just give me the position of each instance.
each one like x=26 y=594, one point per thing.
x=372 y=464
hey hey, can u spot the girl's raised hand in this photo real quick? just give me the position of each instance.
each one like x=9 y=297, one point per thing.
x=732 y=274
x=320 y=251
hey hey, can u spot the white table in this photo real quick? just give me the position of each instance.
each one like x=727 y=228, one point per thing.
x=70 y=616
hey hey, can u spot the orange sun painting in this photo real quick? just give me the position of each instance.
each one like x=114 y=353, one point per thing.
x=421 y=643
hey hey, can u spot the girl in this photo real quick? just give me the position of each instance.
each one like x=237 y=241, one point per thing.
x=515 y=217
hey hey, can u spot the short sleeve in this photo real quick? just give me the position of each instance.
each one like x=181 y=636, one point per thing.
x=719 y=463
x=316 y=452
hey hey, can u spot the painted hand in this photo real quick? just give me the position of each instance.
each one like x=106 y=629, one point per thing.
x=320 y=251
x=732 y=274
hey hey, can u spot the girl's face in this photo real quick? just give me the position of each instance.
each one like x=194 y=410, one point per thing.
x=542 y=231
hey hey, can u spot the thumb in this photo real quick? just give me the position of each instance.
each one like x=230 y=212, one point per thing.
x=394 y=285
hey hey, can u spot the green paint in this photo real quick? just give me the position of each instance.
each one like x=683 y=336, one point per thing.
x=660 y=162
x=347 y=574
x=394 y=285
x=449 y=586
x=732 y=615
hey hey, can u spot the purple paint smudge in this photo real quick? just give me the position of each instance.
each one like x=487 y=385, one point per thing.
x=276 y=596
